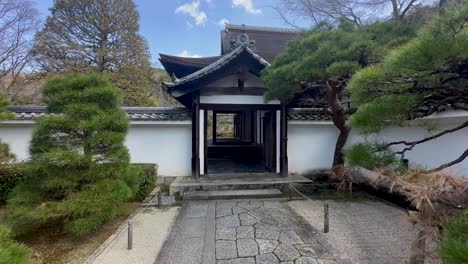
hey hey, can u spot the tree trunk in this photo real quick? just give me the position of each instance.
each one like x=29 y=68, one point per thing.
x=339 y=120
x=395 y=13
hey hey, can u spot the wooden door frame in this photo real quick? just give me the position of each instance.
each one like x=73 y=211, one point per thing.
x=197 y=106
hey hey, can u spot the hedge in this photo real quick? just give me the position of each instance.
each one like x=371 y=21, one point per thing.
x=10 y=175
x=10 y=250
x=148 y=174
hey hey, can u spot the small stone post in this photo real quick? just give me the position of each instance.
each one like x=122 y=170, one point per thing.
x=326 y=225
x=130 y=235
x=290 y=191
x=159 y=199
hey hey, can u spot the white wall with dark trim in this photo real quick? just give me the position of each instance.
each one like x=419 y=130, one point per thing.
x=310 y=143
x=167 y=143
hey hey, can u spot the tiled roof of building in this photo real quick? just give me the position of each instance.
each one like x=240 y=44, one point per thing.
x=166 y=113
x=263 y=29
x=218 y=64
x=267 y=42
x=183 y=66
x=309 y=114
x=134 y=113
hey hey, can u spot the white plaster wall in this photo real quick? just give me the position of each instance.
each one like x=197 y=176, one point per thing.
x=231 y=81
x=311 y=145
x=18 y=135
x=169 y=144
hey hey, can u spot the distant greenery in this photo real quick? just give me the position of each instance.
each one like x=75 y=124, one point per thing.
x=79 y=172
x=454 y=243
x=12 y=252
x=89 y=36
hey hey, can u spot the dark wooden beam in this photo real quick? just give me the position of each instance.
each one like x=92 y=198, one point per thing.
x=232 y=91
x=284 y=139
x=252 y=125
x=214 y=126
x=196 y=136
x=240 y=107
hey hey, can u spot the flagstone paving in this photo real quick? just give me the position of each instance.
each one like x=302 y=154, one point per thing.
x=244 y=231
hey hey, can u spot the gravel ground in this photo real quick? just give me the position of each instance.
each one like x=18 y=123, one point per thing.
x=366 y=232
x=151 y=226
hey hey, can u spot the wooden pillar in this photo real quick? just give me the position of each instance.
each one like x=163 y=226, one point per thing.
x=214 y=127
x=235 y=125
x=196 y=137
x=252 y=126
x=205 y=138
x=284 y=139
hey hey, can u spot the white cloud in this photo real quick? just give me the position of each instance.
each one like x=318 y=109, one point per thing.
x=194 y=11
x=185 y=53
x=223 y=22
x=247 y=5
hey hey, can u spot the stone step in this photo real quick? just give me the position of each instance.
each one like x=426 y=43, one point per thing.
x=234 y=182
x=233 y=194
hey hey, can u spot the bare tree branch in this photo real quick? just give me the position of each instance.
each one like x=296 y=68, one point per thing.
x=18 y=23
x=462 y=157
x=411 y=144
x=354 y=11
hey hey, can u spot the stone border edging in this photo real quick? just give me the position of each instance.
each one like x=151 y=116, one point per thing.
x=113 y=237
x=121 y=228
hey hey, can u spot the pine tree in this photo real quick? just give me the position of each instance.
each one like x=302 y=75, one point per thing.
x=84 y=36
x=79 y=172
x=425 y=76
x=321 y=63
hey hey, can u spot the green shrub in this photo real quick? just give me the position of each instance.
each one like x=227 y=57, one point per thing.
x=12 y=252
x=10 y=175
x=365 y=155
x=79 y=171
x=147 y=174
x=454 y=243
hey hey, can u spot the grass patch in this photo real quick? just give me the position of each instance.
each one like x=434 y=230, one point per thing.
x=53 y=246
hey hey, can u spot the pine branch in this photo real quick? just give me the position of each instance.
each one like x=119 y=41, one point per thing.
x=412 y=144
x=462 y=157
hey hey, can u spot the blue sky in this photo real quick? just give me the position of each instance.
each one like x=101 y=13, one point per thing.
x=192 y=27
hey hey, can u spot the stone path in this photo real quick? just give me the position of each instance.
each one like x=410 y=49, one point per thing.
x=243 y=232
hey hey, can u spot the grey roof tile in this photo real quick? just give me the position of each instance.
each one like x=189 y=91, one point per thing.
x=167 y=113
x=263 y=29
x=309 y=114
x=133 y=113
x=217 y=65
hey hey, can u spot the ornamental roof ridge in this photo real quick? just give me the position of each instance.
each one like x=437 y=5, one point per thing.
x=217 y=65
x=244 y=27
